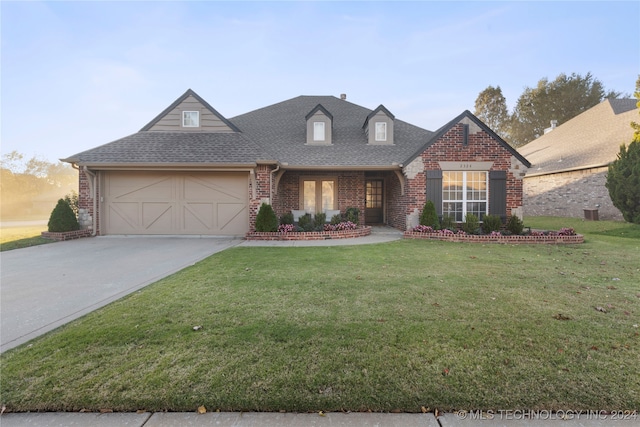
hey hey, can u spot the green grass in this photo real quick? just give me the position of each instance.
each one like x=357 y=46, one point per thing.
x=386 y=327
x=22 y=237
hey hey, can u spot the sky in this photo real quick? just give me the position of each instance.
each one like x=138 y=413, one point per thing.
x=75 y=75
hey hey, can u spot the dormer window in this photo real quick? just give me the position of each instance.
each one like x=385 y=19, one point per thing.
x=381 y=131
x=190 y=119
x=318 y=131
x=319 y=126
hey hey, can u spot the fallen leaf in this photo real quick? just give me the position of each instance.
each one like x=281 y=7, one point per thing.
x=473 y=257
x=560 y=351
x=202 y=409
x=358 y=277
x=616 y=278
x=611 y=287
x=197 y=328
x=436 y=413
x=445 y=372
x=4 y=408
x=424 y=410
x=106 y=411
x=140 y=411
x=594 y=348
x=83 y=410
x=435 y=304
x=322 y=414
x=561 y=316
x=600 y=309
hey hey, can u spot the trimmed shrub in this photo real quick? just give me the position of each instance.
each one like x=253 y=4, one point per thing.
x=448 y=223
x=286 y=218
x=62 y=218
x=429 y=217
x=623 y=182
x=266 y=220
x=319 y=220
x=491 y=223
x=352 y=215
x=471 y=224
x=336 y=219
x=305 y=222
x=515 y=225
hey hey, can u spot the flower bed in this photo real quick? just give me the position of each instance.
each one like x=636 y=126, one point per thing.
x=310 y=235
x=564 y=236
x=66 y=235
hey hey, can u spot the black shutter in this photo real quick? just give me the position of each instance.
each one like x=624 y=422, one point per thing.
x=498 y=194
x=434 y=189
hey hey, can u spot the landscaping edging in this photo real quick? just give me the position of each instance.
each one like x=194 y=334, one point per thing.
x=310 y=235
x=549 y=239
x=66 y=235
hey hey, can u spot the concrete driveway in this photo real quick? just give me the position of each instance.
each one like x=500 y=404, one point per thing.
x=43 y=287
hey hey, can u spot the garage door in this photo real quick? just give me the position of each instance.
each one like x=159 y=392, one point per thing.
x=175 y=203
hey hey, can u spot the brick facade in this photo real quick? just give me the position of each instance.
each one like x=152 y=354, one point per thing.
x=568 y=194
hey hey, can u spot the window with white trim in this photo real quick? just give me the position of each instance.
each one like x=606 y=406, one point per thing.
x=464 y=192
x=381 y=131
x=318 y=131
x=190 y=119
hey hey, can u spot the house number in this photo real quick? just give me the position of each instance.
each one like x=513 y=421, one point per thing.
x=465 y=165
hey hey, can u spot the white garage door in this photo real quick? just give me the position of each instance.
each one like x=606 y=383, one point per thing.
x=175 y=203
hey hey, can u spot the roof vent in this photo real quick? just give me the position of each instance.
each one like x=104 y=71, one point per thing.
x=343 y=96
x=554 y=124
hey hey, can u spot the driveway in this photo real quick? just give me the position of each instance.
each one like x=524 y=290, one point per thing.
x=43 y=287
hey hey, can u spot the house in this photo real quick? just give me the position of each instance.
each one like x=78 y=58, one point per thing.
x=193 y=171
x=569 y=163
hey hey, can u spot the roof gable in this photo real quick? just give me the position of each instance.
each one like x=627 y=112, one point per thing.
x=466 y=116
x=171 y=118
x=320 y=108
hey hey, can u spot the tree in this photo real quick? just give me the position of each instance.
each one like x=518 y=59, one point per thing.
x=561 y=99
x=623 y=177
x=266 y=220
x=62 y=218
x=491 y=108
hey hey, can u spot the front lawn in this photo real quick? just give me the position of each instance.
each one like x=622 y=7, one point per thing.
x=22 y=237
x=392 y=327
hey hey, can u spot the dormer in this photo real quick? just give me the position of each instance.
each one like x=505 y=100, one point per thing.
x=190 y=113
x=379 y=127
x=319 y=126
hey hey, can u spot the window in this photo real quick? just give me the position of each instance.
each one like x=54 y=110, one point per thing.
x=381 y=131
x=319 y=195
x=464 y=192
x=318 y=131
x=190 y=119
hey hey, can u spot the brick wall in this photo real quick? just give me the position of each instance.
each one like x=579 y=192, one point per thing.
x=262 y=192
x=567 y=194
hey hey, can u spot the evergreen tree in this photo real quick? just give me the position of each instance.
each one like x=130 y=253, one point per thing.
x=623 y=181
x=62 y=218
x=266 y=220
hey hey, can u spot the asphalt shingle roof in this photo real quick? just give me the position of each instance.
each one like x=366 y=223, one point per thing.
x=590 y=139
x=281 y=130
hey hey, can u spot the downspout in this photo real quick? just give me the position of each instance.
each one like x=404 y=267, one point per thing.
x=92 y=186
x=271 y=183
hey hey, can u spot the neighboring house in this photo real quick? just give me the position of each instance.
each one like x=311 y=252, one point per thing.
x=193 y=171
x=569 y=163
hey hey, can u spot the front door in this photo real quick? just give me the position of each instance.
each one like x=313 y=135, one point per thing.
x=373 y=212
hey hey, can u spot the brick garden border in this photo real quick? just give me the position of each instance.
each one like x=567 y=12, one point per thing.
x=66 y=235
x=548 y=240
x=310 y=235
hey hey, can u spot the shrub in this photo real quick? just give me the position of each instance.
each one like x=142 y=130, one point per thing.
x=305 y=222
x=72 y=200
x=352 y=215
x=266 y=220
x=62 y=218
x=515 y=225
x=429 y=216
x=286 y=218
x=491 y=223
x=623 y=182
x=471 y=224
x=319 y=220
x=336 y=219
x=448 y=223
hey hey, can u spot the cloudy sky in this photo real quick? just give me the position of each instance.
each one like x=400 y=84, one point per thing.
x=80 y=74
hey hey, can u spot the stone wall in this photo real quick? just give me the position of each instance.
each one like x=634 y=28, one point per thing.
x=567 y=194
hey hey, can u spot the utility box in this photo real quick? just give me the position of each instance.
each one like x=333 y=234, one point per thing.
x=591 y=214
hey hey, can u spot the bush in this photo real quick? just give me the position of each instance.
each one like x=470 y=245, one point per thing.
x=515 y=225
x=286 y=218
x=319 y=220
x=336 y=219
x=429 y=217
x=266 y=220
x=491 y=223
x=72 y=200
x=352 y=215
x=623 y=182
x=62 y=218
x=448 y=223
x=471 y=224
x=305 y=222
